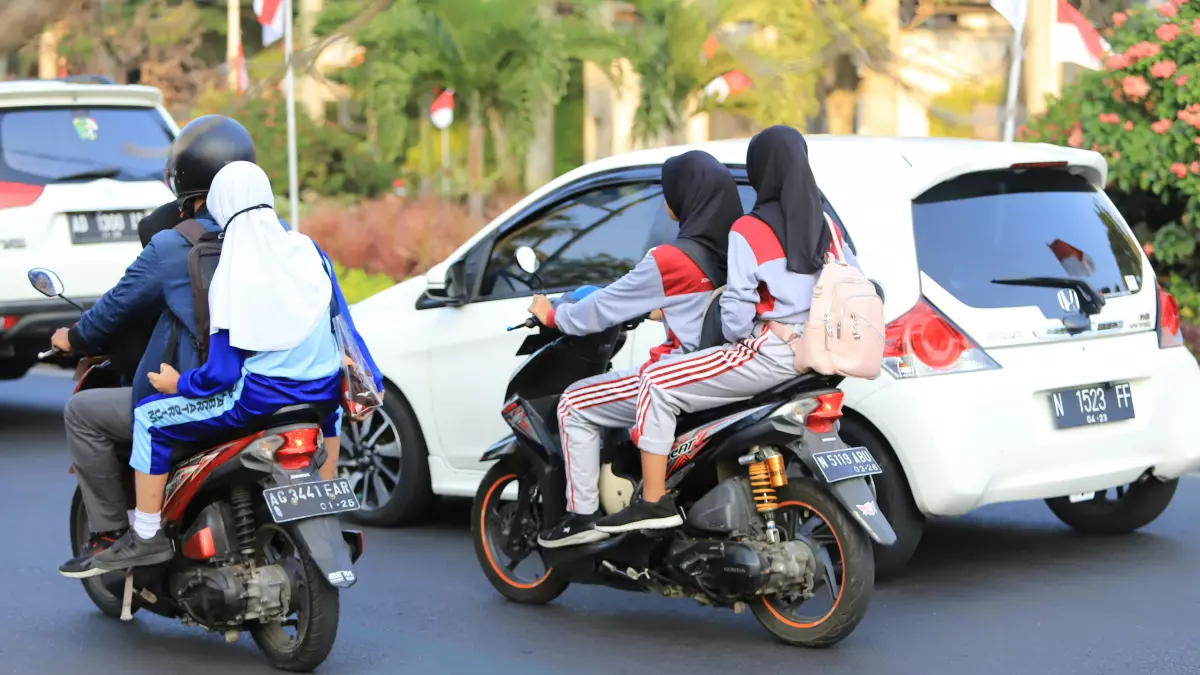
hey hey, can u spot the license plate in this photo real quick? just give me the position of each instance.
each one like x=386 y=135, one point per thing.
x=1093 y=404
x=836 y=465
x=306 y=500
x=104 y=226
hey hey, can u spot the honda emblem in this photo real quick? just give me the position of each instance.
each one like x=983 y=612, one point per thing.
x=1068 y=299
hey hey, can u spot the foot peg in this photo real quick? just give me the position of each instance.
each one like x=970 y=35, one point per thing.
x=127 y=599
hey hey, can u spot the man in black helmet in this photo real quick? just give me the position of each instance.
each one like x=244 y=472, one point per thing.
x=157 y=283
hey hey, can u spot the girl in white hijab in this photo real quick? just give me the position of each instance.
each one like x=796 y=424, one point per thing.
x=272 y=345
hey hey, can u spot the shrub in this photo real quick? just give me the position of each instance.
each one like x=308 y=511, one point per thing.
x=359 y=285
x=1143 y=112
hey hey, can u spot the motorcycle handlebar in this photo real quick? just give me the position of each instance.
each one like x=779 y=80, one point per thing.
x=48 y=353
x=531 y=322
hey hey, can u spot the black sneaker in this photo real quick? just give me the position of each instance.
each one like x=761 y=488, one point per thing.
x=643 y=515
x=80 y=567
x=133 y=551
x=573 y=530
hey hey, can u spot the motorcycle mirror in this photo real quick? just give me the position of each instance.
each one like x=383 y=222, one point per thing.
x=527 y=259
x=46 y=282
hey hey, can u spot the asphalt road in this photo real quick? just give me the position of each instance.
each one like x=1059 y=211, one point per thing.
x=1007 y=591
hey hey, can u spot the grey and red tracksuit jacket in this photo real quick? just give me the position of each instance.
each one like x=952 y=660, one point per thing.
x=665 y=279
x=759 y=286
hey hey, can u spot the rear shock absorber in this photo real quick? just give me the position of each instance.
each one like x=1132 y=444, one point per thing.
x=766 y=473
x=243 y=519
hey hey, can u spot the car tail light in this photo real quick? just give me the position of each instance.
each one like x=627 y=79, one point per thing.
x=1170 y=333
x=291 y=450
x=924 y=342
x=18 y=194
x=828 y=410
x=7 y=321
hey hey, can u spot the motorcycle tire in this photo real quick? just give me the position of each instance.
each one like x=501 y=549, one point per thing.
x=857 y=577
x=97 y=588
x=486 y=539
x=316 y=631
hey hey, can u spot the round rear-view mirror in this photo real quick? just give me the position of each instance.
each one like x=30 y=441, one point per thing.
x=527 y=259
x=46 y=282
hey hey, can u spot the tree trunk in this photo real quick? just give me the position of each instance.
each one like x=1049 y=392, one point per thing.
x=539 y=159
x=510 y=172
x=476 y=136
x=48 y=50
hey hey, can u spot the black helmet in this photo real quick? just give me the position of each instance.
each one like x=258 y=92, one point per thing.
x=202 y=149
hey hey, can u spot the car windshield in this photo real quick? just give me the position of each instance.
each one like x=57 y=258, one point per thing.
x=994 y=225
x=46 y=145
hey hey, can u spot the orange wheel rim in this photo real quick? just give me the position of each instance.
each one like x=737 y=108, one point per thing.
x=487 y=549
x=841 y=587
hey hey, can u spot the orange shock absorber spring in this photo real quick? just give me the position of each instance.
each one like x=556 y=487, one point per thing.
x=760 y=484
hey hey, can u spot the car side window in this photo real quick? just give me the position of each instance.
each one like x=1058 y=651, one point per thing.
x=592 y=238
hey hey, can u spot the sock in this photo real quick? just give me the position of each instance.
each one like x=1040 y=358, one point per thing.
x=130 y=513
x=146 y=525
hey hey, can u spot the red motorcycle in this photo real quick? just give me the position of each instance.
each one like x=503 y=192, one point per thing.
x=259 y=546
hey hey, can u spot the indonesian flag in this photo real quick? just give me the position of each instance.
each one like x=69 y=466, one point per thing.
x=733 y=82
x=1074 y=261
x=242 y=75
x=441 y=112
x=270 y=15
x=1013 y=11
x=1074 y=40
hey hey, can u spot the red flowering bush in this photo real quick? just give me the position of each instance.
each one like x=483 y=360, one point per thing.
x=1142 y=111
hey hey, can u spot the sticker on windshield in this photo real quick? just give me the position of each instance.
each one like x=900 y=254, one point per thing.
x=86 y=127
x=1132 y=282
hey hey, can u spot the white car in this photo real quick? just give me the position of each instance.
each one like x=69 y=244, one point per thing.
x=80 y=165
x=1031 y=354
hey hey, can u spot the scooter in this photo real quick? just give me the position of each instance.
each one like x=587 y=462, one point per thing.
x=778 y=510
x=255 y=529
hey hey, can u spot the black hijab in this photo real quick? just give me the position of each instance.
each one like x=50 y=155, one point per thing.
x=788 y=198
x=703 y=196
x=163 y=218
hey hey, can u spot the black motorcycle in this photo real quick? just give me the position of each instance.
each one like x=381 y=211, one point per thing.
x=777 y=509
x=257 y=539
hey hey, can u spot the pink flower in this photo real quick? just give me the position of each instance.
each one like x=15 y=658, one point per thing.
x=1161 y=126
x=1196 y=26
x=1148 y=248
x=1168 y=9
x=1181 y=80
x=1116 y=62
x=1110 y=118
x=1075 y=140
x=1119 y=18
x=1167 y=32
x=1194 y=167
x=1135 y=87
x=1116 y=155
x=1142 y=50
x=1128 y=125
x=1163 y=69
x=1179 y=169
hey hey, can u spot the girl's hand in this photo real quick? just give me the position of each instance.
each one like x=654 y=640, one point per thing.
x=656 y=315
x=166 y=381
x=541 y=308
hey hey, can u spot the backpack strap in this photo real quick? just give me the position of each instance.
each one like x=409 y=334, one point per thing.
x=193 y=230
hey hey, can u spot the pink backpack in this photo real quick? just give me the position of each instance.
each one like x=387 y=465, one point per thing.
x=845 y=329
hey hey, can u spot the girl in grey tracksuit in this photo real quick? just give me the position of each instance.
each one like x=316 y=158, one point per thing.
x=775 y=255
x=678 y=279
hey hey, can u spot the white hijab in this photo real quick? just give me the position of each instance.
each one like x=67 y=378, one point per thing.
x=270 y=288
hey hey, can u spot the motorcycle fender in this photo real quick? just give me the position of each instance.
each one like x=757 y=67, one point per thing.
x=322 y=537
x=503 y=448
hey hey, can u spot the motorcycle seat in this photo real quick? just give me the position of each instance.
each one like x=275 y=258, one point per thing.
x=286 y=416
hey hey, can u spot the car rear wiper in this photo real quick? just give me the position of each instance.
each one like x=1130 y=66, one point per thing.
x=1091 y=301
x=98 y=172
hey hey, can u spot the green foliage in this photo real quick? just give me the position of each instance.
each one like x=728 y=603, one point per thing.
x=956 y=107
x=1142 y=113
x=358 y=285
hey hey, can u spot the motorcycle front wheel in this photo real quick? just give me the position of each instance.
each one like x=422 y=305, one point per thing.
x=105 y=589
x=845 y=576
x=513 y=564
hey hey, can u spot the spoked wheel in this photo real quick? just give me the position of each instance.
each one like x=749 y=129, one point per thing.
x=303 y=639
x=1119 y=510
x=105 y=589
x=505 y=535
x=845 y=575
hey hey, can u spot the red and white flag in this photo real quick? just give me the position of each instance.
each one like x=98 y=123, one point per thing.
x=1074 y=261
x=729 y=84
x=441 y=112
x=270 y=15
x=1075 y=40
x=243 y=81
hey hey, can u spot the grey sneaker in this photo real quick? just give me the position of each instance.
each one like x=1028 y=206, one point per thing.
x=133 y=551
x=572 y=530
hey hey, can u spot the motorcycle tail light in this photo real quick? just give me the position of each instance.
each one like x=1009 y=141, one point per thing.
x=298 y=448
x=828 y=410
x=1170 y=332
x=18 y=194
x=923 y=342
x=7 y=321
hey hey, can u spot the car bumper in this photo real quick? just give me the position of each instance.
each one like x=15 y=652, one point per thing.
x=970 y=439
x=36 y=321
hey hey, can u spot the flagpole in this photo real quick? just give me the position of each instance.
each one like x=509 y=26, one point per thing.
x=1014 y=78
x=290 y=90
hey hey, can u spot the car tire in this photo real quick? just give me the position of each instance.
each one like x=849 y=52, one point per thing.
x=893 y=496
x=411 y=495
x=1137 y=505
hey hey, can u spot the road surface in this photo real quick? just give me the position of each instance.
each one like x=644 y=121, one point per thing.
x=1006 y=591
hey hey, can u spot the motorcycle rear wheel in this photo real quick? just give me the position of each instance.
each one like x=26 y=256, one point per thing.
x=97 y=588
x=491 y=519
x=808 y=511
x=315 y=605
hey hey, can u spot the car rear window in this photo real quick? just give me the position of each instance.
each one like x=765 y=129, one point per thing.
x=45 y=145
x=1016 y=224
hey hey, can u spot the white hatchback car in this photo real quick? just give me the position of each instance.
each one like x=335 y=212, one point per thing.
x=1031 y=354
x=80 y=165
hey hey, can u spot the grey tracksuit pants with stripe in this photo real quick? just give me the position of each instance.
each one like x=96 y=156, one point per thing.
x=649 y=399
